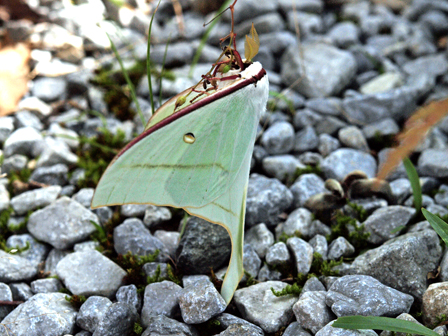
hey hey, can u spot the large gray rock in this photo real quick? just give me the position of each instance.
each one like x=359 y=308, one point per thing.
x=161 y=298
x=403 y=262
x=162 y=325
x=304 y=187
x=118 y=320
x=433 y=162
x=199 y=300
x=76 y=270
x=343 y=161
x=312 y=312
x=25 y=141
x=282 y=167
x=434 y=65
x=278 y=138
x=92 y=311
x=33 y=199
x=382 y=223
x=302 y=253
x=258 y=305
x=266 y=200
x=56 y=317
x=327 y=69
x=260 y=238
x=14 y=268
x=364 y=295
x=62 y=224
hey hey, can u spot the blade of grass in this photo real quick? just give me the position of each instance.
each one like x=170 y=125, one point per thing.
x=128 y=80
x=415 y=183
x=148 y=59
x=281 y=96
x=439 y=225
x=382 y=323
x=163 y=69
x=204 y=39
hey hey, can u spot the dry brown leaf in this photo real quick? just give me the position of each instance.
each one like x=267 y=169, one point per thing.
x=413 y=133
x=14 y=72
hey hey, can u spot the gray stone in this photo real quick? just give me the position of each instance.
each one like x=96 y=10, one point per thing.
x=442 y=196
x=320 y=245
x=312 y=285
x=311 y=159
x=306 y=140
x=52 y=260
x=401 y=189
x=436 y=20
x=327 y=144
x=6 y=128
x=278 y=255
x=227 y=320
x=434 y=65
x=151 y=269
x=54 y=152
x=381 y=128
x=50 y=285
x=329 y=125
x=404 y=317
x=161 y=298
x=311 y=6
x=162 y=325
x=382 y=83
x=202 y=245
x=340 y=247
x=199 y=301
x=178 y=53
x=21 y=291
x=437 y=209
x=344 y=34
x=92 y=311
x=118 y=320
x=267 y=23
x=130 y=296
x=282 y=167
x=351 y=136
x=5 y=295
x=294 y=329
x=325 y=106
x=36 y=251
x=4 y=198
x=260 y=238
x=382 y=223
x=301 y=221
x=302 y=253
x=25 y=141
x=329 y=330
x=433 y=162
x=398 y=104
x=266 y=200
x=311 y=311
x=306 y=117
x=274 y=313
x=16 y=162
x=86 y=246
x=28 y=119
x=84 y=197
x=403 y=262
x=435 y=302
x=308 y=23
x=56 y=317
x=343 y=161
x=278 y=138
x=364 y=295
x=14 y=268
x=35 y=104
x=133 y=210
x=170 y=239
x=251 y=262
x=75 y=271
x=132 y=236
x=62 y=224
x=277 y=42
x=304 y=187
x=49 y=88
x=33 y=199
x=155 y=215
x=266 y=274
x=52 y=175
x=319 y=60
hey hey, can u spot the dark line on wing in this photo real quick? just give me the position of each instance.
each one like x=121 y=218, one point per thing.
x=225 y=209
x=192 y=107
x=178 y=166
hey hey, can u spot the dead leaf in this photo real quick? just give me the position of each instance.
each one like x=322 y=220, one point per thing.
x=14 y=72
x=415 y=130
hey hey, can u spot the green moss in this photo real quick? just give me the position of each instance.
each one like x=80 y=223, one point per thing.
x=284 y=237
x=309 y=170
x=138 y=329
x=21 y=176
x=8 y=230
x=76 y=300
x=348 y=228
x=96 y=153
x=294 y=289
x=361 y=213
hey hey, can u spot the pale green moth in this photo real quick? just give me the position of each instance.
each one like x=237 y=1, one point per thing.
x=195 y=152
